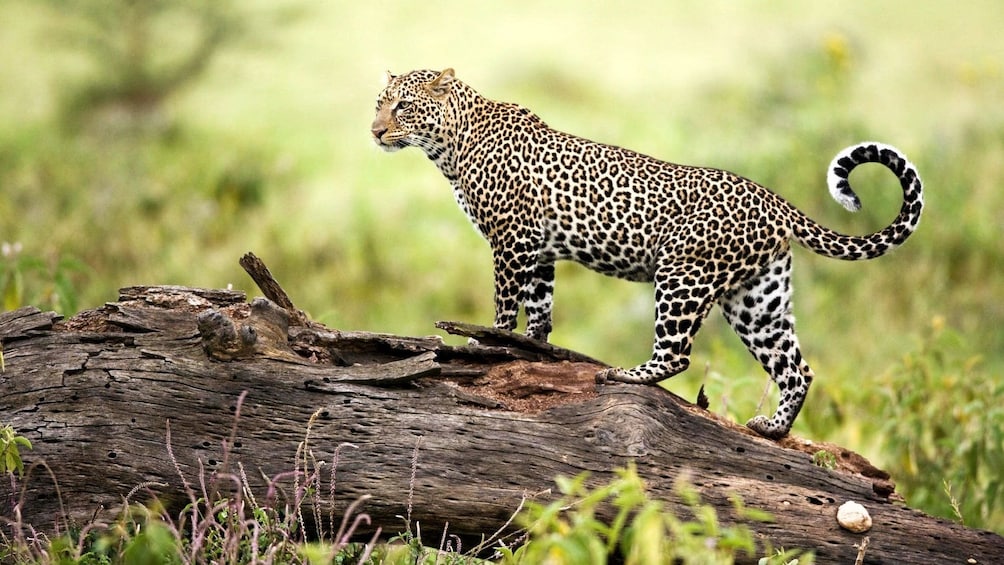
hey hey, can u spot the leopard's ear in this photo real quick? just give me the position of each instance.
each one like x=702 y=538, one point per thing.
x=387 y=77
x=440 y=86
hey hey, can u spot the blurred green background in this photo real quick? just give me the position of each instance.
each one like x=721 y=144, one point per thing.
x=149 y=142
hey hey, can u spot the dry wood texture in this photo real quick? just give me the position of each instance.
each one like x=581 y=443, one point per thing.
x=493 y=423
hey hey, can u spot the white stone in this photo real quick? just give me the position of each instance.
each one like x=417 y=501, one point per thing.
x=854 y=517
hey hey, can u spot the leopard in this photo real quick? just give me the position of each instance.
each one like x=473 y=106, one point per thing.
x=702 y=236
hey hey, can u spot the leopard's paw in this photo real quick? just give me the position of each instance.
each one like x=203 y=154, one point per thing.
x=607 y=376
x=761 y=424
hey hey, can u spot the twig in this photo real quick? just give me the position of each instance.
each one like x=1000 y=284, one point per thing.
x=263 y=278
x=861 y=551
x=411 y=482
x=496 y=337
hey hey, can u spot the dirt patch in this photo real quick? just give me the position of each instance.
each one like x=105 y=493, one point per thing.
x=525 y=386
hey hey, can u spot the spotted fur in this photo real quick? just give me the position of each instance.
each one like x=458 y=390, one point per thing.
x=702 y=235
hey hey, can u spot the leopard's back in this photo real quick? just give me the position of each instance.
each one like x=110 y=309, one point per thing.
x=609 y=208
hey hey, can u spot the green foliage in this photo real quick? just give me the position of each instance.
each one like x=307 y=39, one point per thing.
x=62 y=551
x=571 y=529
x=150 y=541
x=27 y=279
x=948 y=447
x=10 y=450
x=137 y=536
x=139 y=53
x=142 y=213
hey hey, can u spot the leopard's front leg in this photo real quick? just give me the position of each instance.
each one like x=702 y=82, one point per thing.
x=519 y=280
x=539 y=301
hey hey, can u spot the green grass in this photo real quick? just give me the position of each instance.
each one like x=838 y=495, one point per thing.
x=269 y=152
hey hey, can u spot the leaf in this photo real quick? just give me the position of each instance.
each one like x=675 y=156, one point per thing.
x=648 y=537
x=12 y=462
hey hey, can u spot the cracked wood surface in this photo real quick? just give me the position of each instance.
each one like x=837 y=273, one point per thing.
x=493 y=424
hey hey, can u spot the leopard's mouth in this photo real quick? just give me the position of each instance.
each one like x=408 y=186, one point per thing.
x=390 y=141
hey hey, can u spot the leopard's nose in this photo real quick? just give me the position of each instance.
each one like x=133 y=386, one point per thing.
x=378 y=129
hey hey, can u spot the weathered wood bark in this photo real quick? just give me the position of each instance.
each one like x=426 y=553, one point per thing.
x=492 y=423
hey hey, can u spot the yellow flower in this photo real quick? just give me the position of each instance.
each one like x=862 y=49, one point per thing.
x=837 y=49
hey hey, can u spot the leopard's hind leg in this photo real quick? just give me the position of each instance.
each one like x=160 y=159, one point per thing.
x=759 y=311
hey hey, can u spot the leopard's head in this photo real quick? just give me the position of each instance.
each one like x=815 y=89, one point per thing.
x=411 y=110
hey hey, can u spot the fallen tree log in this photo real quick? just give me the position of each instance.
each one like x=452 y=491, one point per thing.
x=146 y=391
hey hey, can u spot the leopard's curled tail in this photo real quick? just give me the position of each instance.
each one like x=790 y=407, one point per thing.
x=833 y=244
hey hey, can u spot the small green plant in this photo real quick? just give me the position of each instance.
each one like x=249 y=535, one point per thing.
x=824 y=459
x=10 y=454
x=954 y=502
x=138 y=536
x=642 y=530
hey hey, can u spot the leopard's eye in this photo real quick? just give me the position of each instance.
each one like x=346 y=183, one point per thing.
x=402 y=105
